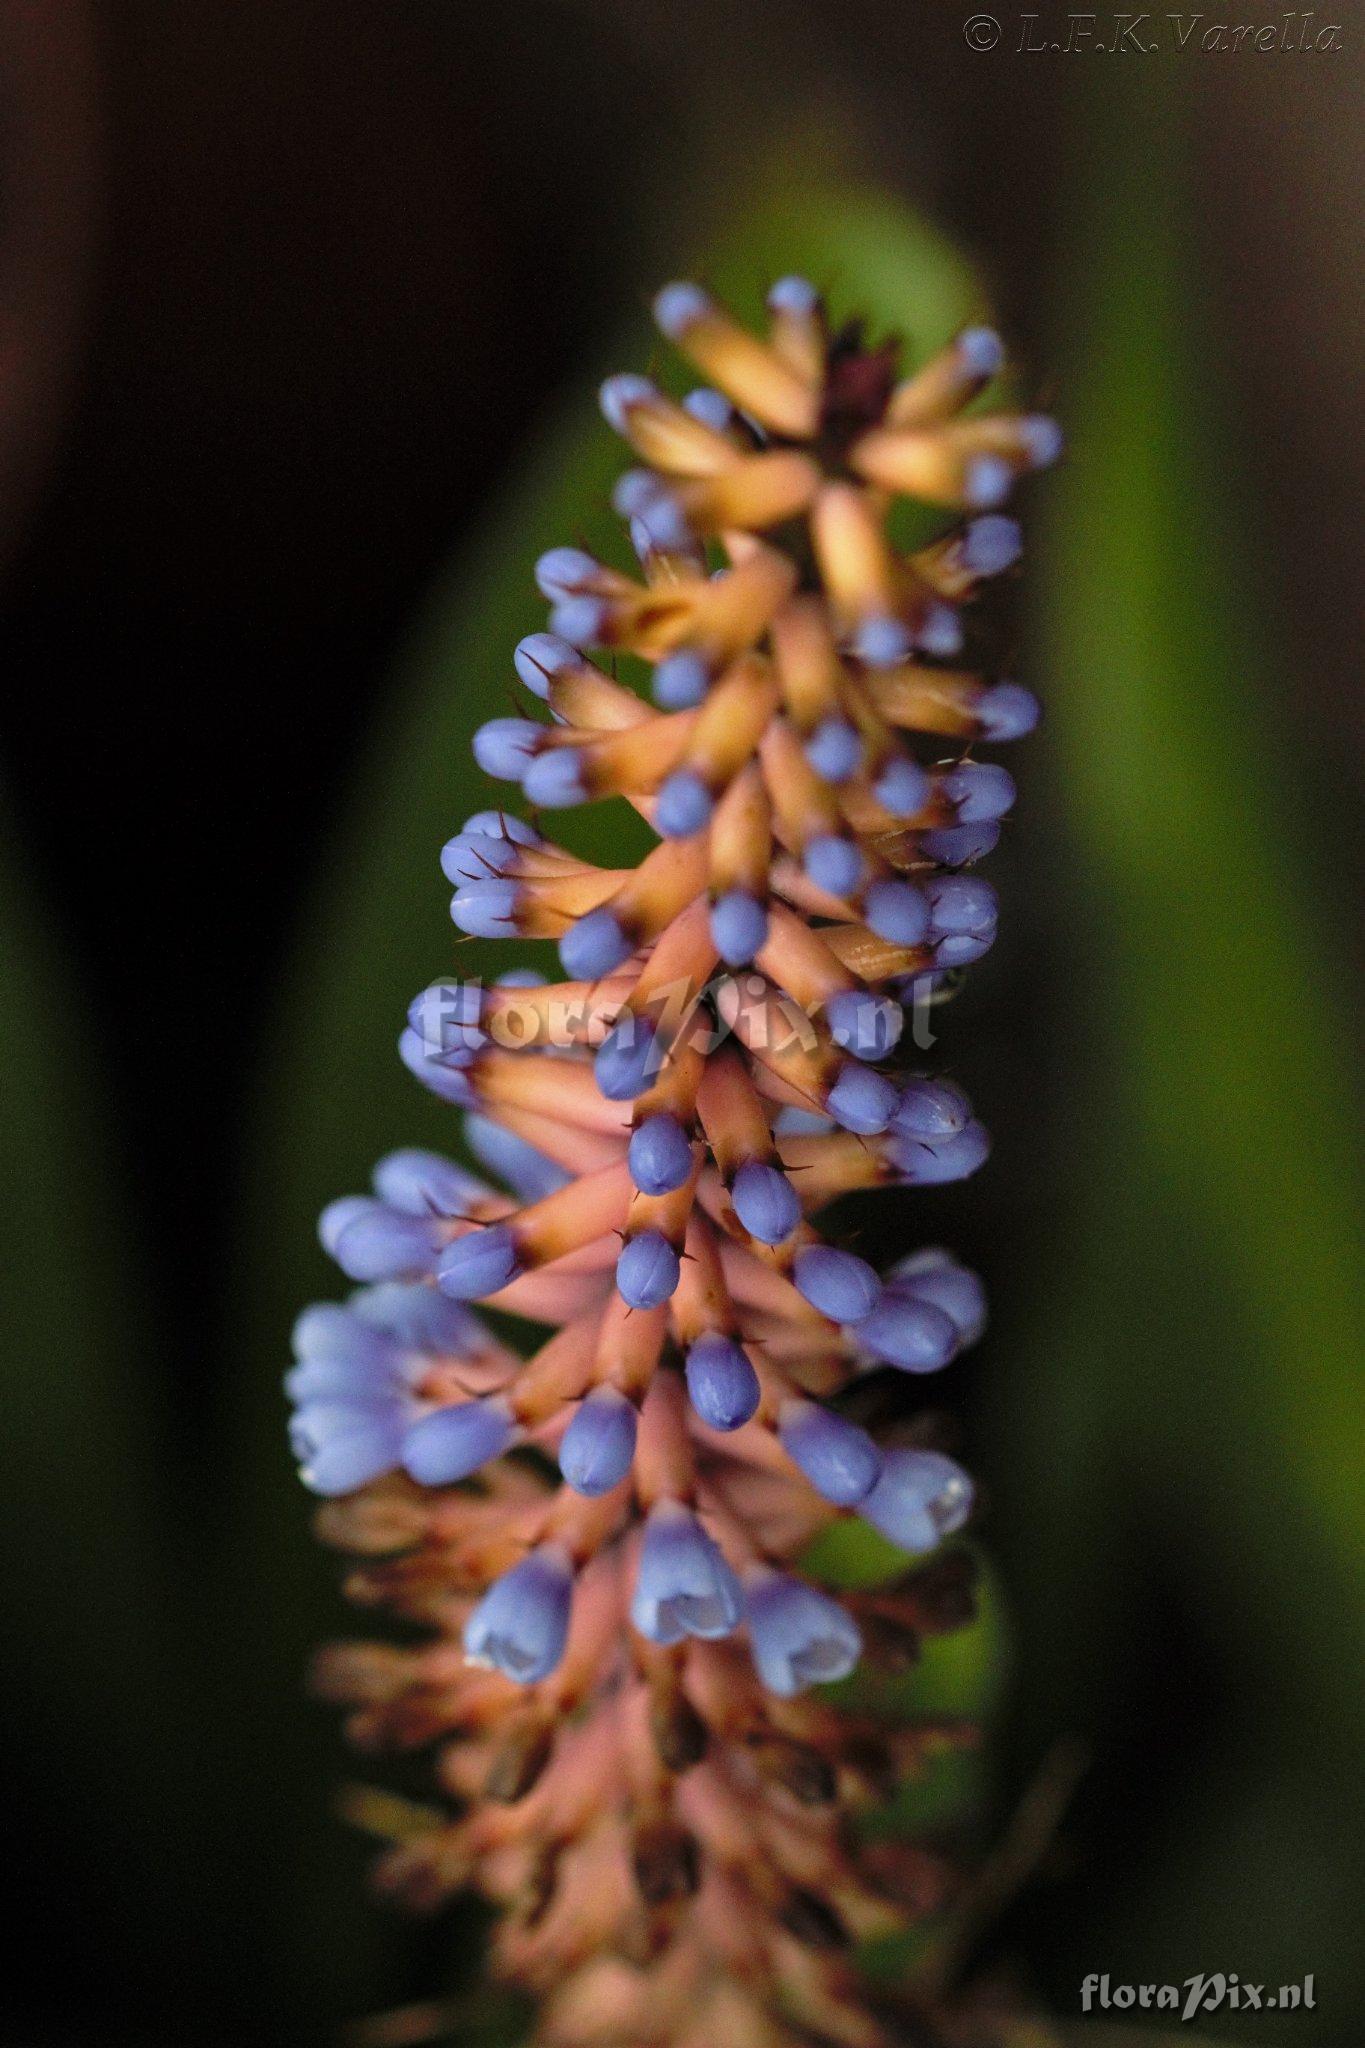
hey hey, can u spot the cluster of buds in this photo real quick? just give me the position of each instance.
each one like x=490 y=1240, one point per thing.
x=604 y=1540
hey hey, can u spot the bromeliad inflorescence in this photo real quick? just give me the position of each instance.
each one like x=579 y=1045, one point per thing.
x=604 y=1540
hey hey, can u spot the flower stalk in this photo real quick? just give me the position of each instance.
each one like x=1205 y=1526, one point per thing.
x=602 y=1542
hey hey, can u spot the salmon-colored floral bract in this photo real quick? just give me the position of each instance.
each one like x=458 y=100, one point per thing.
x=603 y=1542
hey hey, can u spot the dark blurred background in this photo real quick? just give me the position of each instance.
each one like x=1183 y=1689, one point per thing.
x=287 y=294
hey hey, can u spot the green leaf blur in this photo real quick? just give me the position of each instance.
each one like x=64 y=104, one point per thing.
x=1183 y=1420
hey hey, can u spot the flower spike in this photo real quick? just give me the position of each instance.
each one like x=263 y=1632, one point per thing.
x=603 y=1541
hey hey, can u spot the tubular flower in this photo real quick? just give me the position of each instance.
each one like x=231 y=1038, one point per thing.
x=605 y=1539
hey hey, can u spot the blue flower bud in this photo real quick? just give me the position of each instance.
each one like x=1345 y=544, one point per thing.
x=961 y=952
x=961 y=903
x=739 y=927
x=991 y=544
x=834 y=750
x=342 y=1449
x=627 y=1059
x=681 y=681
x=647 y=1269
x=486 y=910
x=908 y=1333
x=1007 y=711
x=331 y=1398
x=935 y=1276
x=504 y=746
x=932 y=1162
x=962 y=918
x=448 y=1082
x=897 y=912
x=861 y=1101
x=582 y=621
x=344 y=1438
x=981 y=350
x=660 y=1156
x=632 y=491
x=351 y=1398
x=920 y=1497
x=327 y=1331
x=683 y=1587
x=901 y=787
x=337 y=1215
x=765 y=1202
x=425 y=1184
x=621 y=392
x=522 y=1622
x=554 y=780
x=680 y=306
x=683 y=805
x=1043 y=438
x=594 y=945
x=838 y=1283
x=384 y=1244
x=940 y=631
x=540 y=657
x=712 y=408
x=987 y=482
x=982 y=790
x=931 y=1110
x=451 y=1443
x=561 y=572
x=598 y=1447
x=446 y=1019
x=794 y=295
x=501 y=825
x=660 y=524
x=480 y=1263
x=799 y=1636
x=833 y=864
x=477 y=857
x=487 y=844
x=348 y=1380
x=839 y=1459
x=416 y=1316
x=956 y=846
x=864 y=1025
x=721 y=1382
x=527 y=1172
x=881 y=642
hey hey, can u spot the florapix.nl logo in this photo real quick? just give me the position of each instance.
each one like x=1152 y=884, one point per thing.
x=1211 y=1991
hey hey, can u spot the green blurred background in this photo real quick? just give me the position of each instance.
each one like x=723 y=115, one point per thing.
x=305 y=309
